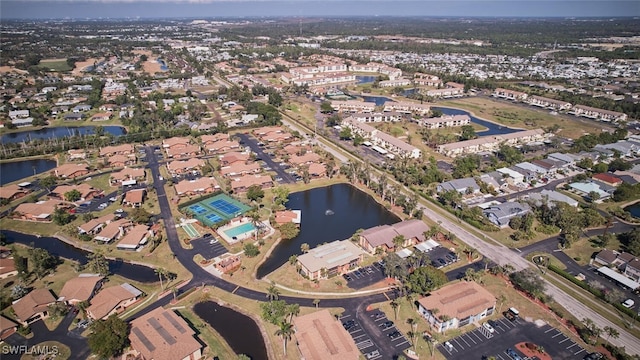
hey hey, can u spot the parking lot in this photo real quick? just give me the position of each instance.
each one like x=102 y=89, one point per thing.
x=370 y=344
x=281 y=172
x=506 y=334
x=441 y=257
x=365 y=276
x=208 y=250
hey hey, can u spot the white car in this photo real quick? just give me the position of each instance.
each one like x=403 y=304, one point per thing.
x=489 y=328
x=103 y=206
x=628 y=303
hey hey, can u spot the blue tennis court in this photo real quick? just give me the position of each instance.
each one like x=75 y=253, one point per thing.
x=197 y=209
x=213 y=218
x=224 y=206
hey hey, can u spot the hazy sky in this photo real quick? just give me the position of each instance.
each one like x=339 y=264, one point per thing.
x=25 y=9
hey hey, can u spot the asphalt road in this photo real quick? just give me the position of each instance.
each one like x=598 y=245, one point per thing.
x=279 y=170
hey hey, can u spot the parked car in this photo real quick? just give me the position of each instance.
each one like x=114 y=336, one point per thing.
x=489 y=327
x=348 y=324
x=513 y=354
x=628 y=303
x=394 y=335
x=386 y=325
x=102 y=206
x=207 y=235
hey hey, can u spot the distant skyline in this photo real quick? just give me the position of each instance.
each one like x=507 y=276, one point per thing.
x=118 y=9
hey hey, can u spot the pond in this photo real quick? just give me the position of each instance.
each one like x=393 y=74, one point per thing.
x=16 y=170
x=634 y=209
x=238 y=330
x=58 y=132
x=163 y=65
x=329 y=213
x=379 y=100
x=60 y=248
x=365 y=79
x=492 y=128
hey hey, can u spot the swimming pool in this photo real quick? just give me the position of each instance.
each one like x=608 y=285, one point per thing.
x=239 y=230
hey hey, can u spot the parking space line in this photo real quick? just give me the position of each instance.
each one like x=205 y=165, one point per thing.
x=344 y=316
x=479 y=338
x=457 y=342
x=499 y=357
x=581 y=350
x=387 y=296
x=355 y=331
x=465 y=341
x=402 y=343
x=381 y=319
x=563 y=340
x=556 y=335
x=551 y=329
x=569 y=347
x=234 y=290
x=470 y=338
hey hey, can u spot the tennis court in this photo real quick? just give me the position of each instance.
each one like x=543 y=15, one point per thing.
x=191 y=231
x=215 y=209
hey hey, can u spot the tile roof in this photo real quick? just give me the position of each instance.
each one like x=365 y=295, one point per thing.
x=321 y=337
x=79 y=288
x=108 y=298
x=459 y=300
x=34 y=302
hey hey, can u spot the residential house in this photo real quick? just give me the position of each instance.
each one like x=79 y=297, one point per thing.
x=608 y=179
x=76 y=154
x=163 y=335
x=124 y=149
x=94 y=226
x=510 y=94
x=233 y=157
x=81 y=108
x=390 y=116
x=222 y=146
x=608 y=258
x=112 y=300
x=567 y=159
x=550 y=197
x=13 y=192
x=106 y=116
x=34 y=306
x=81 y=288
x=195 y=187
x=87 y=192
x=7 y=327
x=551 y=104
x=307 y=158
x=7 y=268
x=180 y=152
x=407 y=107
x=328 y=260
x=118 y=160
x=239 y=169
x=463 y=186
x=320 y=336
x=74 y=117
x=243 y=183
x=589 y=188
x=70 y=170
x=457 y=305
x=175 y=142
x=178 y=167
x=317 y=171
x=135 y=237
x=381 y=139
x=632 y=269
x=599 y=114
x=134 y=198
x=501 y=214
x=491 y=142
x=112 y=231
x=228 y=263
x=287 y=216
x=381 y=237
x=128 y=176
x=40 y=211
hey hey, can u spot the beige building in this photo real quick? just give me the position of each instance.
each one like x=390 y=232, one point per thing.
x=491 y=143
x=320 y=336
x=112 y=300
x=34 y=306
x=163 y=335
x=79 y=289
x=335 y=258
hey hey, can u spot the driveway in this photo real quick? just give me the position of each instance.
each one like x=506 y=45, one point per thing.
x=78 y=344
x=279 y=170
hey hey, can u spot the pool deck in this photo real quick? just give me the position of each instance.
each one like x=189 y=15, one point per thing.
x=247 y=235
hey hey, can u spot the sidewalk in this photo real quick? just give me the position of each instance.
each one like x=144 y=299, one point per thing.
x=321 y=294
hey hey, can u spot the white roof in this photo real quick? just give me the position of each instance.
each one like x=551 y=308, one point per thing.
x=427 y=246
x=404 y=253
x=511 y=173
x=619 y=277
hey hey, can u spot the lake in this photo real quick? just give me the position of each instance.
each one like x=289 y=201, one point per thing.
x=238 y=330
x=351 y=210
x=58 y=132
x=379 y=100
x=365 y=79
x=634 y=209
x=60 y=248
x=16 y=170
x=492 y=128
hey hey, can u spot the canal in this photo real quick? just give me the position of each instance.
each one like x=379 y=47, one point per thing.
x=16 y=170
x=329 y=213
x=58 y=132
x=54 y=246
x=492 y=128
x=238 y=330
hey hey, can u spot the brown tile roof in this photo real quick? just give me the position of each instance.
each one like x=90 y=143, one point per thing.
x=112 y=230
x=42 y=209
x=246 y=181
x=175 y=141
x=122 y=149
x=6 y=324
x=80 y=288
x=121 y=159
x=321 y=337
x=608 y=256
x=316 y=169
x=609 y=179
x=134 y=196
x=94 y=223
x=231 y=157
x=285 y=216
x=69 y=169
x=411 y=229
x=214 y=138
x=380 y=235
x=33 y=303
x=459 y=300
x=134 y=237
x=239 y=168
x=9 y=191
x=178 y=166
x=163 y=335
x=7 y=266
x=128 y=173
x=108 y=298
x=188 y=149
x=220 y=146
x=306 y=158
x=196 y=186
x=84 y=189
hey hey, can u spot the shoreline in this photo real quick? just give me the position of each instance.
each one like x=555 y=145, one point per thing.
x=476 y=116
x=27 y=158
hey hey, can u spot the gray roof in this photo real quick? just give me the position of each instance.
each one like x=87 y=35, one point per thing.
x=460 y=185
x=552 y=196
x=501 y=214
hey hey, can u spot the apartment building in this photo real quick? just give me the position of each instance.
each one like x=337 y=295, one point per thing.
x=407 y=107
x=551 y=104
x=390 y=116
x=381 y=139
x=490 y=143
x=510 y=94
x=353 y=106
x=598 y=114
x=445 y=121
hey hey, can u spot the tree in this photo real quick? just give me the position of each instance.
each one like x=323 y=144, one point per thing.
x=255 y=193
x=281 y=195
x=20 y=264
x=97 y=263
x=140 y=215
x=426 y=279
x=73 y=195
x=304 y=248
x=272 y=292
x=467 y=133
x=161 y=273
x=274 y=311
x=611 y=333
x=325 y=107
x=398 y=241
x=395 y=305
x=288 y=230
x=61 y=217
x=18 y=291
x=48 y=182
x=345 y=133
x=285 y=331
x=293 y=259
x=293 y=310
x=42 y=262
x=109 y=337
x=528 y=281
x=316 y=302
x=250 y=250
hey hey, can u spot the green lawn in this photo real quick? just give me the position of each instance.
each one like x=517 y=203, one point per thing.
x=55 y=65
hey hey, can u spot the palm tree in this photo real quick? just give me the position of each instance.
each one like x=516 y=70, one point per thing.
x=174 y=291
x=273 y=293
x=293 y=310
x=285 y=331
x=304 y=248
x=395 y=305
x=161 y=273
x=316 y=302
x=445 y=318
x=501 y=299
x=611 y=332
x=293 y=259
x=398 y=241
